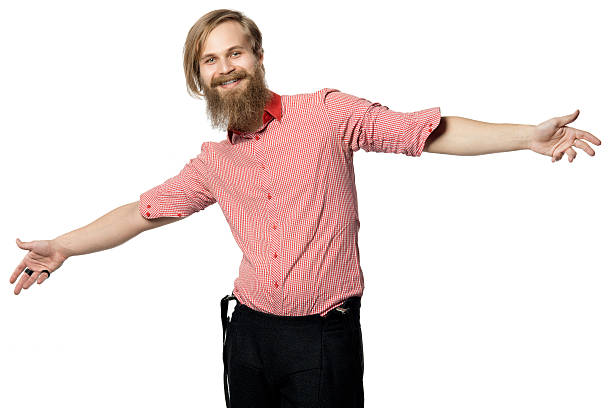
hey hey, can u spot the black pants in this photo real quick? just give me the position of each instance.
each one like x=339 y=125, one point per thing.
x=285 y=361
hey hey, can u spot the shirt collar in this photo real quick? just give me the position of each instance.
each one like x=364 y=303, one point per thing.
x=272 y=110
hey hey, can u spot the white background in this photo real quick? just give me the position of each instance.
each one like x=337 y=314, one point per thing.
x=488 y=278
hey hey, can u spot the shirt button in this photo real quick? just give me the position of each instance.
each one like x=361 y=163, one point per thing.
x=275 y=255
x=178 y=215
x=269 y=197
x=148 y=205
x=148 y=214
x=256 y=137
x=274 y=227
x=276 y=284
x=263 y=167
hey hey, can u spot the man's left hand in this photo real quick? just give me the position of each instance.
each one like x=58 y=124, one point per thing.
x=553 y=138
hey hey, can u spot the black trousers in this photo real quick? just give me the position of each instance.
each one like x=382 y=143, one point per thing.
x=285 y=361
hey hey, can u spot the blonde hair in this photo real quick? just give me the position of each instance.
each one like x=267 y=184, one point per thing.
x=197 y=37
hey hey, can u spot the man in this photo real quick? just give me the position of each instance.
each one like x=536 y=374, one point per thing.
x=284 y=180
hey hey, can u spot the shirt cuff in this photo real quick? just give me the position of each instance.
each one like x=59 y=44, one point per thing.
x=150 y=207
x=422 y=122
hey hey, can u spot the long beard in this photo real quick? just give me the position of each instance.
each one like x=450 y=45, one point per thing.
x=235 y=109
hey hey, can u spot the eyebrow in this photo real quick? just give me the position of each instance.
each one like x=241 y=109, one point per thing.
x=228 y=50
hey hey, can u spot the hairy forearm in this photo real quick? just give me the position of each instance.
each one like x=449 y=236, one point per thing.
x=466 y=137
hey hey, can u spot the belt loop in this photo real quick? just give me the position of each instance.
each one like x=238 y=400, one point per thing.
x=349 y=305
x=224 y=321
x=342 y=310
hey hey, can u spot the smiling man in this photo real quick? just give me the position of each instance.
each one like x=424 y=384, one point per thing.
x=231 y=78
x=283 y=177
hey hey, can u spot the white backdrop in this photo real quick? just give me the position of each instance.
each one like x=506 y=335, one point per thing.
x=488 y=278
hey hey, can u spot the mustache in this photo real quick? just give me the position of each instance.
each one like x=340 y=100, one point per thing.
x=225 y=78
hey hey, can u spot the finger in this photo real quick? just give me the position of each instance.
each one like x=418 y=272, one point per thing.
x=24 y=245
x=586 y=135
x=558 y=151
x=564 y=120
x=584 y=146
x=557 y=154
x=20 y=268
x=571 y=154
x=31 y=280
x=581 y=134
x=43 y=277
x=21 y=282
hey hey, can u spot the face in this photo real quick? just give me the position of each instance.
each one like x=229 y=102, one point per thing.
x=233 y=79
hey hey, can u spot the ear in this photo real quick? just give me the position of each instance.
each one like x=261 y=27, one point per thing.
x=261 y=57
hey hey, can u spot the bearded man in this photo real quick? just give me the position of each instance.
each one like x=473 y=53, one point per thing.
x=284 y=179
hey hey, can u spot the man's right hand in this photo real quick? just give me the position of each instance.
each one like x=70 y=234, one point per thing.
x=42 y=255
x=108 y=231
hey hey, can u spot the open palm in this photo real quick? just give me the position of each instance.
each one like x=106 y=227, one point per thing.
x=42 y=255
x=553 y=138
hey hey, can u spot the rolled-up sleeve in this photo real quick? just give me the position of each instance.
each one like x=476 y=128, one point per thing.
x=373 y=127
x=179 y=196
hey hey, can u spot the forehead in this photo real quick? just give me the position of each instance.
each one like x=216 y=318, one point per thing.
x=224 y=36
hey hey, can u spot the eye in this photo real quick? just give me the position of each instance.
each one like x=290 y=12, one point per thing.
x=209 y=60
x=235 y=53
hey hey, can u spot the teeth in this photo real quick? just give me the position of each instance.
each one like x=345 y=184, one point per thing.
x=229 y=82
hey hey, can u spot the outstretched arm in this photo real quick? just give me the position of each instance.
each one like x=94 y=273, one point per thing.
x=466 y=137
x=108 y=231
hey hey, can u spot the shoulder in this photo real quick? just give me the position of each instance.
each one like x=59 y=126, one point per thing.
x=210 y=149
x=211 y=146
x=304 y=99
x=335 y=100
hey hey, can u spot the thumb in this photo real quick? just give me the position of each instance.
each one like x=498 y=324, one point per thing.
x=564 y=120
x=24 y=245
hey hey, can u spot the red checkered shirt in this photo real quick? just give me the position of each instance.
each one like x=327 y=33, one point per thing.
x=288 y=193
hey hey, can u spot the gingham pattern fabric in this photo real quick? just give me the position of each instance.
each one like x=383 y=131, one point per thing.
x=288 y=193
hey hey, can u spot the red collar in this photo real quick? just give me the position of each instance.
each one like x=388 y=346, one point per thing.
x=272 y=110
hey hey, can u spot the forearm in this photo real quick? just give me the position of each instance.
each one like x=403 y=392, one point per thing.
x=466 y=137
x=108 y=231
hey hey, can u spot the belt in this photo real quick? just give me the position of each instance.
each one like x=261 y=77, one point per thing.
x=344 y=308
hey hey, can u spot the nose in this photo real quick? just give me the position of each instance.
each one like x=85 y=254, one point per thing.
x=225 y=66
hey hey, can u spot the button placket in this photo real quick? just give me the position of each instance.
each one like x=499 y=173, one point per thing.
x=271 y=239
x=270 y=221
x=276 y=262
x=273 y=230
x=275 y=255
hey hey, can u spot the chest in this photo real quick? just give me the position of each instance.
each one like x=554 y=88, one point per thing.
x=282 y=157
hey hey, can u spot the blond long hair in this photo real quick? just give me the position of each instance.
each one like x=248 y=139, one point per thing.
x=197 y=37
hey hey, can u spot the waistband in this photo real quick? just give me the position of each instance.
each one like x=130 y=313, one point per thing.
x=351 y=304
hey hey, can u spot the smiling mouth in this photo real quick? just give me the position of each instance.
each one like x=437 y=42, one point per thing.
x=230 y=83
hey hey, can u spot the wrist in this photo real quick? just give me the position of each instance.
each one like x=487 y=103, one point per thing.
x=527 y=134
x=63 y=251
